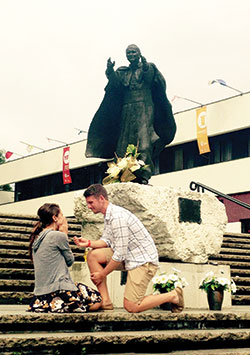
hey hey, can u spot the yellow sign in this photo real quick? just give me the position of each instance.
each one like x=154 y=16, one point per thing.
x=201 y=129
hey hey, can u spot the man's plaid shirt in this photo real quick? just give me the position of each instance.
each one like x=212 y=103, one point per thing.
x=128 y=238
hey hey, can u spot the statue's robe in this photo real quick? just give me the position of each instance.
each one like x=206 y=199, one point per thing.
x=135 y=110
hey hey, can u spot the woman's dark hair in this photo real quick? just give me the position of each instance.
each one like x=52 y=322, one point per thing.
x=45 y=214
x=96 y=190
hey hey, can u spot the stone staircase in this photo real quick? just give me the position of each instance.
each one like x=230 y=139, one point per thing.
x=235 y=252
x=17 y=275
x=192 y=332
x=119 y=332
x=16 y=268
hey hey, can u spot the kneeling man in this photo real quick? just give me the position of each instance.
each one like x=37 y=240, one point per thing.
x=125 y=245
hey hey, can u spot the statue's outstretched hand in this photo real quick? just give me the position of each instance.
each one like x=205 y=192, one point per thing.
x=110 y=65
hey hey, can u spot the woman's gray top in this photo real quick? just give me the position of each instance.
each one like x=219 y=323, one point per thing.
x=52 y=257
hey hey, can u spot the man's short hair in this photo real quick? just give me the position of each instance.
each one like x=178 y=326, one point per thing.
x=96 y=190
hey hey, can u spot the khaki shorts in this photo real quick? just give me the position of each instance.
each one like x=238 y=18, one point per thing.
x=137 y=280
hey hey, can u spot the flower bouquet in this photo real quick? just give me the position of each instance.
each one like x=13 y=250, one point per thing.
x=215 y=286
x=123 y=170
x=212 y=283
x=166 y=283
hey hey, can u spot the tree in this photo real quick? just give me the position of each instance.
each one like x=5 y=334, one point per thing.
x=6 y=187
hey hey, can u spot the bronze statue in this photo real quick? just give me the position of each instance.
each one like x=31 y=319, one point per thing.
x=135 y=110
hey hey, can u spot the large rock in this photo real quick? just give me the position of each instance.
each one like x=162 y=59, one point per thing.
x=186 y=225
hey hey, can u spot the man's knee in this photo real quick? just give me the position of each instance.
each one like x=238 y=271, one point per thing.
x=131 y=306
x=96 y=255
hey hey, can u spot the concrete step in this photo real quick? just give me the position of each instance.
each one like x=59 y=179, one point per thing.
x=16 y=285
x=119 y=332
x=232 y=257
x=120 y=320
x=14 y=244
x=15 y=297
x=240 y=299
x=233 y=264
x=11 y=253
x=243 y=289
x=13 y=236
x=24 y=254
x=16 y=274
x=241 y=280
x=238 y=240
x=235 y=251
x=144 y=342
x=237 y=235
x=236 y=245
x=16 y=263
x=240 y=272
x=244 y=351
x=73 y=230
x=15 y=228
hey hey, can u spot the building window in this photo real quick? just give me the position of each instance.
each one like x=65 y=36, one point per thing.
x=225 y=147
x=53 y=184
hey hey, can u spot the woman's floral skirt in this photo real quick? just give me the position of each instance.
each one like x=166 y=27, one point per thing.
x=66 y=301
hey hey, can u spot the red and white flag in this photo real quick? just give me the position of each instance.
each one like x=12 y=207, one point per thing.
x=8 y=154
x=66 y=172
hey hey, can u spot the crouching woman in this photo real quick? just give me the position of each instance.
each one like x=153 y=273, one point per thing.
x=49 y=249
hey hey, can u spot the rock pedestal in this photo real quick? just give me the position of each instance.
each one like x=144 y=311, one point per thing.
x=186 y=226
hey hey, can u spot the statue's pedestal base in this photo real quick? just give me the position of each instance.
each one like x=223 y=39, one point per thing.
x=193 y=273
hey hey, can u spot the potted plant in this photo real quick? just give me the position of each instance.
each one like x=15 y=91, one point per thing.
x=167 y=282
x=215 y=286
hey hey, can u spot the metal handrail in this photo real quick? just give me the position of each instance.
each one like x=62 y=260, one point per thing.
x=197 y=185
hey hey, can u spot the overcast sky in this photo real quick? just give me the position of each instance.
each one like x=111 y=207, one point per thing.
x=53 y=56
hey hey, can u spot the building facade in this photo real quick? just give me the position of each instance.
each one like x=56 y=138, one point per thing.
x=38 y=178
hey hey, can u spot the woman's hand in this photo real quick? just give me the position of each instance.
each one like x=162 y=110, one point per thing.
x=63 y=226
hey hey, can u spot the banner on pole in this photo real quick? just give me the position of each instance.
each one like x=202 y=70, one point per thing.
x=201 y=130
x=66 y=172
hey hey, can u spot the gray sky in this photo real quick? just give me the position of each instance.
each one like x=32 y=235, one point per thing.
x=53 y=57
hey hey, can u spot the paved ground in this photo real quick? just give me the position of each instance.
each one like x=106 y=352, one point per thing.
x=21 y=309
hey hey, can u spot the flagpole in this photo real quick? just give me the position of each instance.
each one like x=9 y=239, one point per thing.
x=230 y=87
x=55 y=140
x=184 y=98
x=223 y=83
x=80 y=131
x=32 y=146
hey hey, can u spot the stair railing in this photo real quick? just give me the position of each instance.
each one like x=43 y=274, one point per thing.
x=197 y=186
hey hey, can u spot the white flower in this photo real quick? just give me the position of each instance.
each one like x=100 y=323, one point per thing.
x=122 y=163
x=141 y=162
x=223 y=281
x=135 y=167
x=173 y=277
x=168 y=282
x=164 y=279
x=212 y=282
x=113 y=170
x=233 y=286
x=209 y=275
x=156 y=280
